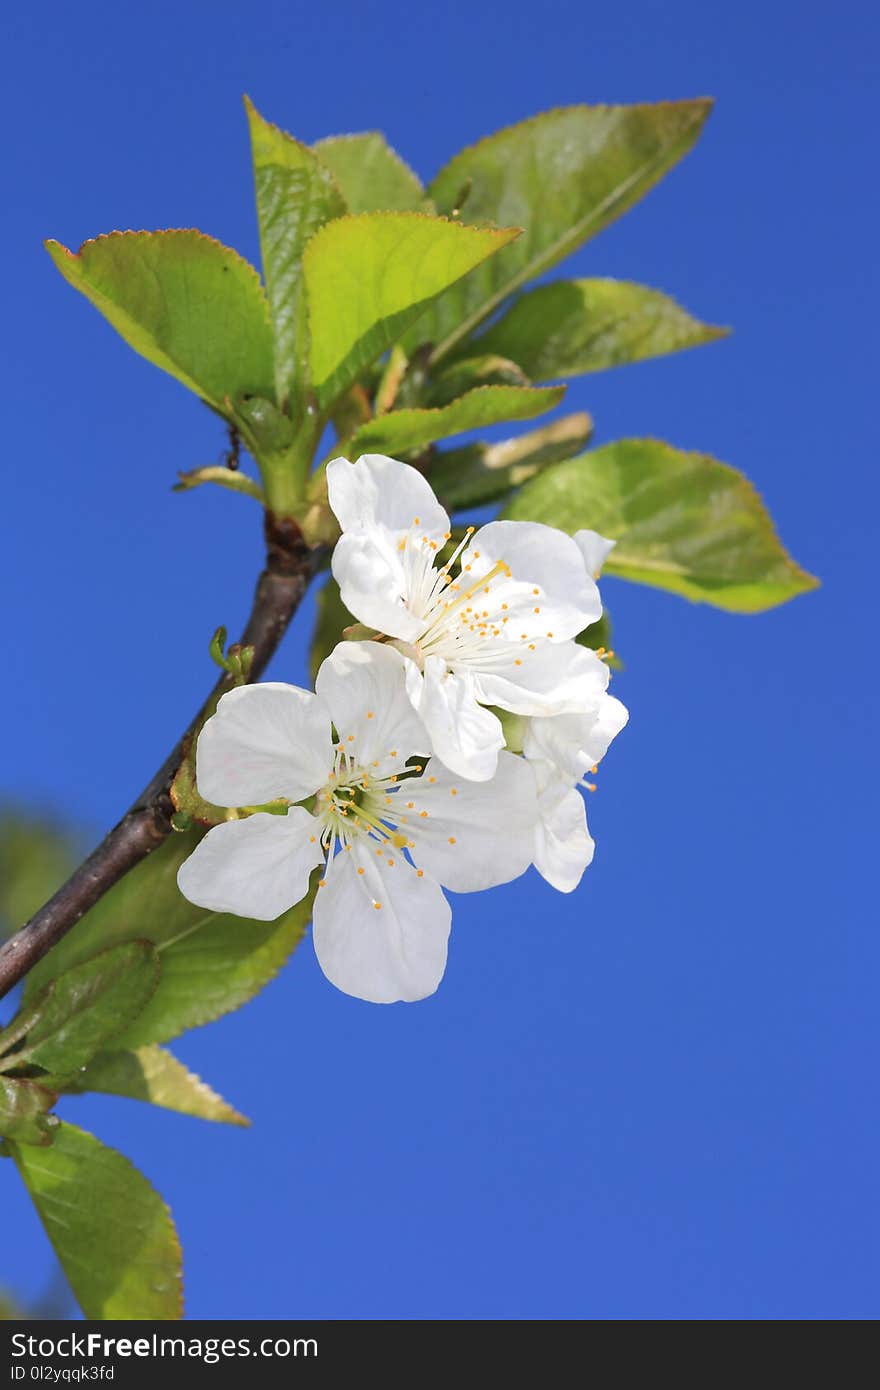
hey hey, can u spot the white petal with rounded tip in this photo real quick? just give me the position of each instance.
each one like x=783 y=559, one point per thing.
x=262 y=742
x=373 y=584
x=377 y=491
x=473 y=835
x=595 y=550
x=396 y=951
x=573 y=743
x=258 y=867
x=555 y=678
x=466 y=737
x=563 y=846
x=363 y=685
x=539 y=557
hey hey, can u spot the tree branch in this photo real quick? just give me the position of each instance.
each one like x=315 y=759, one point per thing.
x=145 y=825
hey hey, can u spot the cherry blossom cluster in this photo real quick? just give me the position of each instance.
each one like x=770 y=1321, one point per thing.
x=392 y=779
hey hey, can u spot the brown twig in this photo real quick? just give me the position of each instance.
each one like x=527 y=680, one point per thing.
x=289 y=567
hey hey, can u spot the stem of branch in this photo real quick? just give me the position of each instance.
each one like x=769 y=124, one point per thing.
x=145 y=825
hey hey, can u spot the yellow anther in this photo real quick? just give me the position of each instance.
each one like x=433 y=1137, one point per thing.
x=517 y=662
x=370 y=714
x=420 y=873
x=432 y=779
x=549 y=634
x=452 y=839
x=415 y=521
x=537 y=610
x=453 y=791
x=360 y=871
x=312 y=839
x=350 y=738
x=531 y=646
x=321 y=882
x=410 y=805
x=377 y=906
x=390 y=863
x=423 y=815
x=536 y=591
x=393 y=753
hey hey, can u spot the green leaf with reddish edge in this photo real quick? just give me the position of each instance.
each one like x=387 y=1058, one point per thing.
x=185 y=302
x=212 y=962
x=369 y=277
x=404 y=431
x=23 y=1107
x=296 y=194
x=74 y=1015
x=110 y=1229
x=481 y=473
x=155 y=1075
x=563 y=176
x=682 y=522
x=372 y=175
x=577 y=326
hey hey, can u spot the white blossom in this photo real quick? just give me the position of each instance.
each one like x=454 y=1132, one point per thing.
x=388 y=824
x=493 y=625
x=562 y=749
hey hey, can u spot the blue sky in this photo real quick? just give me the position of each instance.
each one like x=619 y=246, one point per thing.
x=654 y=1098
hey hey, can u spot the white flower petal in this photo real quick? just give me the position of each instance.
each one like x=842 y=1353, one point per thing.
x=463 y=735
x=258 y=867
x=262 y=742
x=539 y=557
x=595 y=550
x=473 y=835
x=396 y=951
x=563 y=846
x=363 y=685
x=573 y=743
x=374 y=584
x=385 y=493
x=554 y=678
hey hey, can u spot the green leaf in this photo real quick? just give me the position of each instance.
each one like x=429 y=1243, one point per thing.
x=372 y=175
x=36 y=856
x=23 y=1106
x=110 y=1229
x=404 y=431
x=563 y=176
x=212 y=962
x=481 y=473
x=185 y=302
x=153 y=1074
x=296 y=194
x=76 y=1013
x=577 y=326
x=369 y=277
x=682 y=521
x=468 y=374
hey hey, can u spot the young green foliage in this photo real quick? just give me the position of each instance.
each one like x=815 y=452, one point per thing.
x=682 y=521
x=369 y=277
x=576 y=326
x=211 y=963
x=110 y=1229
x=563 y=176
x=185 y=302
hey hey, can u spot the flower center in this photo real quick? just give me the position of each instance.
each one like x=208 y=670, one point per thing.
x=357 y=802
x=461 y=613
